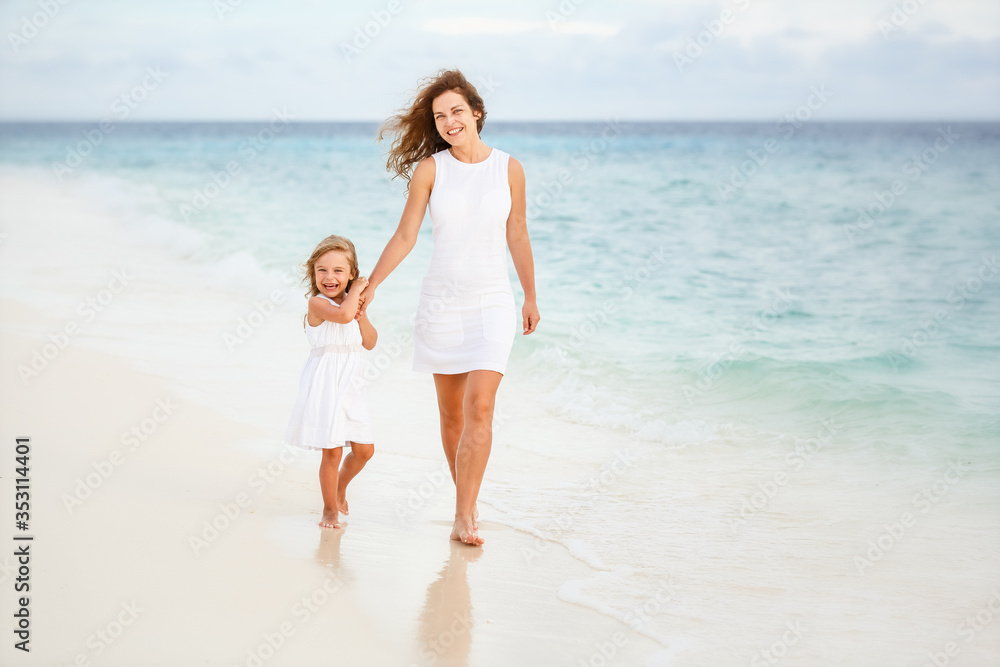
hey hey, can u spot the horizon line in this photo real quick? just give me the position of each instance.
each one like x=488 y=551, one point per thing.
x=512 y=122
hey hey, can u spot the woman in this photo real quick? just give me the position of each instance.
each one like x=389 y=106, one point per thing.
x=465 y=317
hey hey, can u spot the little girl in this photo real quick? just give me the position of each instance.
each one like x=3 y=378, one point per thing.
x=332 y=406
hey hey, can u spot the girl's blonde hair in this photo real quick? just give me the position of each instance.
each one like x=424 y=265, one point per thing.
x=414 y=132
x=334 y=242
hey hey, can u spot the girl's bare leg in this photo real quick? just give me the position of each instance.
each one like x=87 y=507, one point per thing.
x=329 y=470
x=353 y=463
x=473 y=451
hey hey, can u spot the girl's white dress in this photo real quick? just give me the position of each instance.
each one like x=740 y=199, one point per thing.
x=465 y=316
x=332 y=406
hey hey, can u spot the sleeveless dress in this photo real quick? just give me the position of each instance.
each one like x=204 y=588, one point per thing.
x=332 y=405
x=465 y=316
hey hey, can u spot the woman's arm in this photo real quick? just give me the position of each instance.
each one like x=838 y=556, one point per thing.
x=520 y=245
x=402 y=242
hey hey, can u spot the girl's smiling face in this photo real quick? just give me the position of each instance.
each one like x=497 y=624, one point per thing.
x=454 y=119
x=332 y=273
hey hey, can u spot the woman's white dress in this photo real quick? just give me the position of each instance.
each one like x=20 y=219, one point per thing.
x=465 y=316
x=331 y=409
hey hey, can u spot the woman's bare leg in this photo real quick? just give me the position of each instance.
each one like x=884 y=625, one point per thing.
x=451 y=397
x=353 y=463
x=329 y=471
x=473 y=451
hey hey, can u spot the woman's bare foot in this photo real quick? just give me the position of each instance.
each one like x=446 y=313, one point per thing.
x=330 y=519
x=464 y=531
x=342 y=504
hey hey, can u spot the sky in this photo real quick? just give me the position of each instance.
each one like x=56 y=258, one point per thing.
x=88 y=60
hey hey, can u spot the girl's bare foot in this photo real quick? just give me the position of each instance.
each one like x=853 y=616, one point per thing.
x=342 y=505
x=464 y=531
x=330 y=519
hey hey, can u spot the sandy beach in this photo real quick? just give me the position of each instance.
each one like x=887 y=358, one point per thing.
x=184 y=549
x=166 y=533
x=154 y=372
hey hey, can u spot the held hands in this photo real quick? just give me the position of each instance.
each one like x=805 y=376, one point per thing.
x=529 y=316
x=365 y=295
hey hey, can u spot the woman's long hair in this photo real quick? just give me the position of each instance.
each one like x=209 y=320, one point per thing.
x=414 y=133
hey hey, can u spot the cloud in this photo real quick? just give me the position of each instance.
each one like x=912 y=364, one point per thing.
x=601 y=61
x=472 y=25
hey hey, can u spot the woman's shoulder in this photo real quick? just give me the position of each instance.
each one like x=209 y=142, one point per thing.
x=433 y=158
x=509 y=160
x=515 y=172
x=429 y=161
x=424 y=175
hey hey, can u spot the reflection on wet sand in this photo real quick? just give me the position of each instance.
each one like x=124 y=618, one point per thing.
x=328 y=551
x=446 y=619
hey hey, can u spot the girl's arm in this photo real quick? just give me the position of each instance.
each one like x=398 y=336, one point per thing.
x=368 y=334
x=402 y=242
x=520 y=246
x=321 y=309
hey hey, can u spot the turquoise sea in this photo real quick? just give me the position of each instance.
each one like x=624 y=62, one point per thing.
x=760 y=344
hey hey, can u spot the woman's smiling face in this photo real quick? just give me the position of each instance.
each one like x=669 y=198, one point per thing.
x=453 y=117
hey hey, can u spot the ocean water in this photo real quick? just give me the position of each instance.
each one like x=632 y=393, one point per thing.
x=762 y=347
